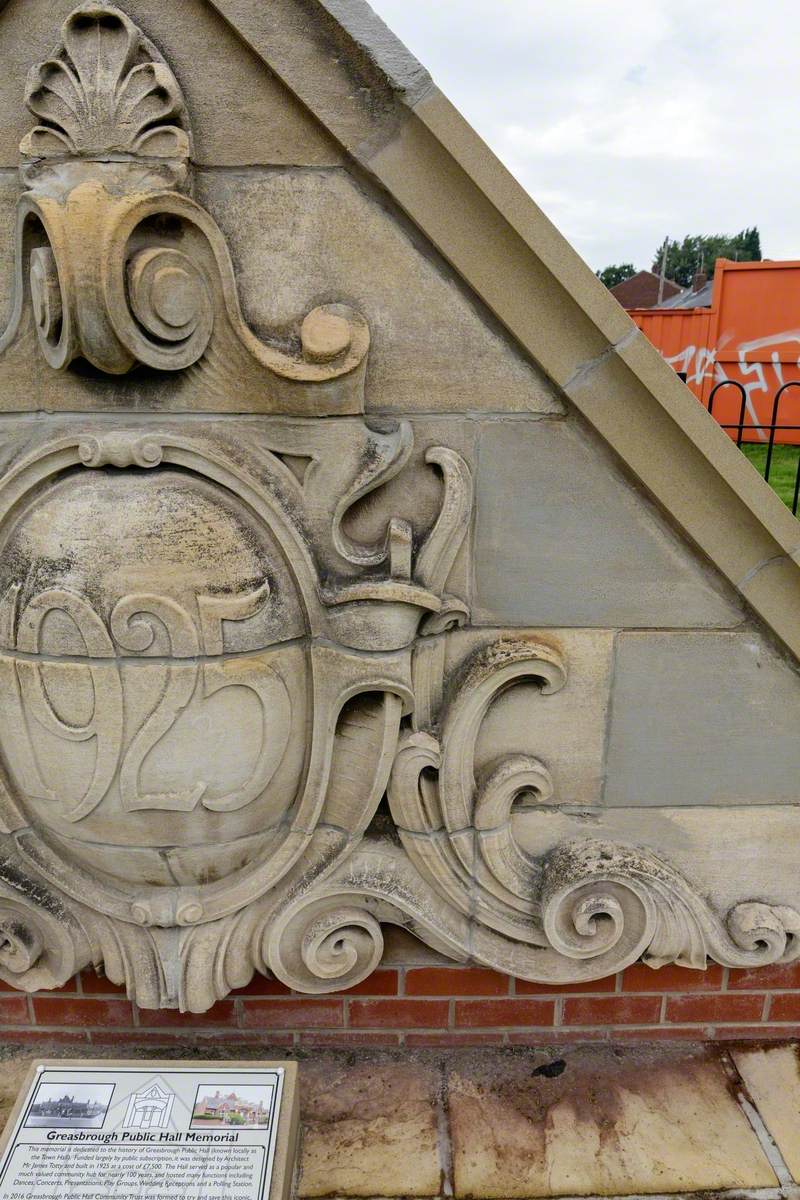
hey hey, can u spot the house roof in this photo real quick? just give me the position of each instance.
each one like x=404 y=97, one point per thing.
x=643 y=289
x=686 y=298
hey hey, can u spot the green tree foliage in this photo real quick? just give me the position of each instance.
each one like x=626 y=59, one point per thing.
x=616 y=273
x=700 y=253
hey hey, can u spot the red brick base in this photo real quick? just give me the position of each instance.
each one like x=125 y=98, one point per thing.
x=416 y=1000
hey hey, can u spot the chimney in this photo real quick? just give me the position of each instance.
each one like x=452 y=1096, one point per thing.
x=700 y=280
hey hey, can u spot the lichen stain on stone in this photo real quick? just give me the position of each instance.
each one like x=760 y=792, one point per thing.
x=370 y=1124
x=514 y=1120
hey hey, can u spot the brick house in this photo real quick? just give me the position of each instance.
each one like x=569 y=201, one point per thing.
x=642 y=290
x=225 y=1107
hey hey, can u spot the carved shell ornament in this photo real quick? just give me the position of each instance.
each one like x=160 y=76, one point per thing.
x=209 y=680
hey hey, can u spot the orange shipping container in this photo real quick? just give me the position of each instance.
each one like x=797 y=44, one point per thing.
x=751 y=335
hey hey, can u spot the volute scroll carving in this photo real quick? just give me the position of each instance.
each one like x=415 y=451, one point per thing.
x=434 y=790
x=223 y=642
x=42 y=943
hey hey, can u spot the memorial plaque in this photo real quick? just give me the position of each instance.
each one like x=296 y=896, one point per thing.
x=100 y=1130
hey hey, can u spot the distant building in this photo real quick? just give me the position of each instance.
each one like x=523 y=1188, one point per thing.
x=230 y=1106
x=66 y=1107
x=642 y=290
x=697 y=296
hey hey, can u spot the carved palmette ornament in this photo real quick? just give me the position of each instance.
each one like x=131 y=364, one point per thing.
x=208 y=680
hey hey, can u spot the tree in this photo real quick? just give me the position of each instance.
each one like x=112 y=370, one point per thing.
x=616 y=273
x=700 y=252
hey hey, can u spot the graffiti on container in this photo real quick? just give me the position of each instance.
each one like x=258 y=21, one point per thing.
x=759 y=377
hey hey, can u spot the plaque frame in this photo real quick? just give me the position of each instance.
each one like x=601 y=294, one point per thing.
x=284 y=1144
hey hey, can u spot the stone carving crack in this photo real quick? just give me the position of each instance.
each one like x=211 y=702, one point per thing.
x=581 y=374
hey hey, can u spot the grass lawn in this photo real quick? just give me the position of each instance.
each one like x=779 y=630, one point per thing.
x=782 y=469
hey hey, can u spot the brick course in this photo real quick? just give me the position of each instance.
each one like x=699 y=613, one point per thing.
x=715 y=1007
x=612 y=1010
x=505 y=1013
x=431 y=1004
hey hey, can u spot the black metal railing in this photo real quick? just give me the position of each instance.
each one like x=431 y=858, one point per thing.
x=775 y=458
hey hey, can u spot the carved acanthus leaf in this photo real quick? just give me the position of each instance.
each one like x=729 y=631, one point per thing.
x=612 y=904
x=476 y=860
x=604 y=906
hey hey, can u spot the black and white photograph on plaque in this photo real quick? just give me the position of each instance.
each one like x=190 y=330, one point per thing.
x=218 y=1106
x=69 y=1106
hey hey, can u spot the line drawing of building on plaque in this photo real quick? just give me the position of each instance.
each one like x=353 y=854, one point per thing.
x=149 y=1109
x=244 y=1106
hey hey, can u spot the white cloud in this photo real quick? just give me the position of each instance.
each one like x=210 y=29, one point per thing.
x=672 y=127
x=629 y=120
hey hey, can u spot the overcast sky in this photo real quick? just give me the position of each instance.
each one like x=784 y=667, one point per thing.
x=629 y=120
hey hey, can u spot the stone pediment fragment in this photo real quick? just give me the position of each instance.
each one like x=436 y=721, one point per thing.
x=281 y=663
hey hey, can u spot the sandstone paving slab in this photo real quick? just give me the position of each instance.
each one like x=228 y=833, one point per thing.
x=370 y=1127
x=595 y=1121
x=601 y=1121
x=12 y=1076
x=772 y=1077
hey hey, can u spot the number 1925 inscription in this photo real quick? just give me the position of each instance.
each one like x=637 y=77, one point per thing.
x=136 y=621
